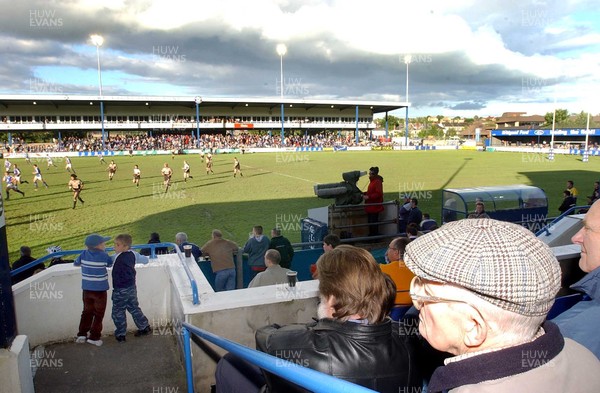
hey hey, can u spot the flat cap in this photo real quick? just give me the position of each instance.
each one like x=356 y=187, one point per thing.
x=502 y=263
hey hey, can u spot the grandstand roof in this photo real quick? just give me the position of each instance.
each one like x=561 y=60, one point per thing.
x=6 y=100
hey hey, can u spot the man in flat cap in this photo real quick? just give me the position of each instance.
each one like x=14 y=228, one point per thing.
x=486 y=305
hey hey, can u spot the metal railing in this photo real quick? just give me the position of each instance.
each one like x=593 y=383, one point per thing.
x=305 y=377
x=546 y=229
x=152 y=247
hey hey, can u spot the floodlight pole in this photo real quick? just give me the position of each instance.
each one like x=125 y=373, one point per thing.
x=281 y=51
x=587 y=136
x=551 y=154
x=98 y=40
x=198 y=101
x=407 y=60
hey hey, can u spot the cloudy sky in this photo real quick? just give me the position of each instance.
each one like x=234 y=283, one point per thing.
x=468 y=57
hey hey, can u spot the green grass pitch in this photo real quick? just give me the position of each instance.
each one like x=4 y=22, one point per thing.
x=276 y=189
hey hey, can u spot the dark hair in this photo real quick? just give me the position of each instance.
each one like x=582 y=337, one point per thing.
x=411 y=229
x=155 y=236
x=332 y=239
x=374 y=169
x=400 y=244
x=415 y=201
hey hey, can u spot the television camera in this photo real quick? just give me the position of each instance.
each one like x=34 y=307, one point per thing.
x=346 y=192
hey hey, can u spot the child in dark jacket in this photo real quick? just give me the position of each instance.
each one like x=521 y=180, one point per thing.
x=124 y=295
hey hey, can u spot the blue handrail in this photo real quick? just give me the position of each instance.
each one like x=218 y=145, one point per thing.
x=307 y=378
x=546 y=229
x=151 y=246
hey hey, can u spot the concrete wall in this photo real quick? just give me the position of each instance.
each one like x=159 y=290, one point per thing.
x=15 y=368
x=236 y=315
x=49 y=305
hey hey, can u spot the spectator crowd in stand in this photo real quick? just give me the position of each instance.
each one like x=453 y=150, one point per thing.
x=182 y=141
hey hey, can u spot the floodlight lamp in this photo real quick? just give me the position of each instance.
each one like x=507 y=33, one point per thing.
x=281 y=49
x=97 y=39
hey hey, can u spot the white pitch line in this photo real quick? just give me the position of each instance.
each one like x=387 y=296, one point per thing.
x=282 y=174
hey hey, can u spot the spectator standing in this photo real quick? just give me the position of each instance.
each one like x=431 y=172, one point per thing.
x=181 y=239
x=275 y=273
x=283 y=245
x=403 y=214
x=25 y=259
x=221 y=253
x=256 y=247
x=571 y=188
x=154 y=239
x=330 y=242
x=415 y=216
x=124 y=296
x=94 y=282
x=373 y=200
x=567 y=202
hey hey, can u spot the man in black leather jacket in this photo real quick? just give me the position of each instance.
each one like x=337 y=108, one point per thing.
x=353 y=339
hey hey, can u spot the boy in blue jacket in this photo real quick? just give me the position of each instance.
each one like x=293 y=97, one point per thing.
x=94 y=282
x=124 y=294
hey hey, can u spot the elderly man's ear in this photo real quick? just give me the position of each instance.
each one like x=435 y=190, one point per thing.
x=475 y=329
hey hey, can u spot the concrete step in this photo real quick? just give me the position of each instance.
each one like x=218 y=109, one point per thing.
x=149 y=364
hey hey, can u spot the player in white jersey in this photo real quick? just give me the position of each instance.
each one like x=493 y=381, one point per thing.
x=7 y=165
x=17 y=175
x=50 y=162
x=137 y=174
x=186 y=171
x=37 y=176
x=69 y=165
x=11 y=185
x=112 y=169
x=166 y=172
